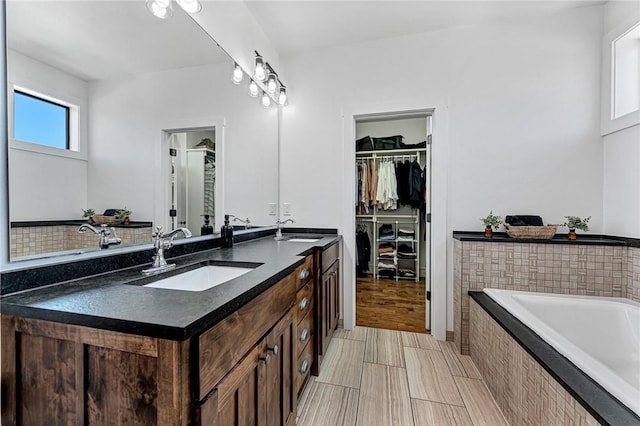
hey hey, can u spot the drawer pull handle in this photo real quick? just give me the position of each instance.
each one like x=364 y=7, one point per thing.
x=304 y=335
x=305 y=367
x=266 y=358
x=304 y=303
x=275 y=349
x=304 y=274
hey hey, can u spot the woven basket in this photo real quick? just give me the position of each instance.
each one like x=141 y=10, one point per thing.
x=531 y=232
x=101 y=219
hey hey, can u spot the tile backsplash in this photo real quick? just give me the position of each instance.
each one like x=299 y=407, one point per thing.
x=33 y=240
x=595 y=270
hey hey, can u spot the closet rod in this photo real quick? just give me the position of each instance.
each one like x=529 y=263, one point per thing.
x=393 y=151
x=385 y=157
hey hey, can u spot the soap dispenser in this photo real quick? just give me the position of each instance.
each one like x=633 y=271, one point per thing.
x=206 y=229
x=226 y=233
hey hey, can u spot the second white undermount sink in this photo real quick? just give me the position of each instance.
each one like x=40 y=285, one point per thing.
x=200 y=279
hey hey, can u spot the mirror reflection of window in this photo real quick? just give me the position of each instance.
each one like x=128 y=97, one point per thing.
x=626 y=72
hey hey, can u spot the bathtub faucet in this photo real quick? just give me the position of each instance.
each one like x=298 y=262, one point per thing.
x=107 y=235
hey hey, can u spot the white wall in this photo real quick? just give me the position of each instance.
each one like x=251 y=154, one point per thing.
x=523 y=118
x=125 y=158
x=621 y=161
x=43 y=186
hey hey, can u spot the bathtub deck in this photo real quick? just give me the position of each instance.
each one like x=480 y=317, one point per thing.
x=383 y=377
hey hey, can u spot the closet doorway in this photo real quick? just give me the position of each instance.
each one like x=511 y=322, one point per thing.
x=393 y=166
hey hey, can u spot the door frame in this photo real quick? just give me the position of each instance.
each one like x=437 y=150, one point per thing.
x=438 y=209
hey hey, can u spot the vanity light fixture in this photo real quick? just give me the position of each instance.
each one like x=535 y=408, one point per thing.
x=282 y=96
x=163 y=9
x=266 y=100
x=238 y=74
x=190 y=6
x=272 y=83
x=260 y=72
x=254 y=91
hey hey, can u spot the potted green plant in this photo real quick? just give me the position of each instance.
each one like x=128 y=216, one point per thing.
x=123 y=214
x=491 y=221
x=573 y=223
x=88 y=213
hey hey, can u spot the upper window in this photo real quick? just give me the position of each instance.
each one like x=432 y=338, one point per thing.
x=625 y=61
x=40 y=121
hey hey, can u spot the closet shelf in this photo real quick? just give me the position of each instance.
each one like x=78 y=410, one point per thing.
x=391 y=152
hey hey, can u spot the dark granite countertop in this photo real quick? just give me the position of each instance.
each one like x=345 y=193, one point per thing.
x=583 y=239
x=593 y=397
x=117 y=301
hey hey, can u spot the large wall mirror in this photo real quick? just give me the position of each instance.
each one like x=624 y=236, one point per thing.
x=134 y=113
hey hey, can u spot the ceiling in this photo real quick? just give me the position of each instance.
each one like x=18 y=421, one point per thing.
x=294 y=26
x=102 y=39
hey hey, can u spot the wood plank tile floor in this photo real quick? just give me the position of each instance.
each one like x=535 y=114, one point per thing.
x=395 y=378
x=391 y=304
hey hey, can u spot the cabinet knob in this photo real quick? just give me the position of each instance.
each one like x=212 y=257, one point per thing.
x=266 y=358
x=274 y=349
x=304 y=367
x=304 y=303
x=304 y=335
x=304 y=274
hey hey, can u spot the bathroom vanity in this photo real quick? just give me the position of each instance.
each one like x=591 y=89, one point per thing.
x=109 y=349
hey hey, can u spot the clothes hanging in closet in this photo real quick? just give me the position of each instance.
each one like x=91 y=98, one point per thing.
x=363 y=246
x=386 y=194
x=416 y=185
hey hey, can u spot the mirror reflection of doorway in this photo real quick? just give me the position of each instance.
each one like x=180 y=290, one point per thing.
x=193 y=177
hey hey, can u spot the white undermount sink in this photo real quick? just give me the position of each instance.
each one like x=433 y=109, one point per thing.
x=200 y=279
x=303 y=240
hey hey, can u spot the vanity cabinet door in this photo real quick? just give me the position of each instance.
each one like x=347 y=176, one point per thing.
x=281 y=392
x=240 y=398
x=330 y=304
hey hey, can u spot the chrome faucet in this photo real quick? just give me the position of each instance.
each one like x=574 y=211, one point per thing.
x=279 y=224
x=107 y=234
x=162 y=242
x=246 y=222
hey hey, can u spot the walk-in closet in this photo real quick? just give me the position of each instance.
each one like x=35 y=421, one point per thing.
x=393 y=166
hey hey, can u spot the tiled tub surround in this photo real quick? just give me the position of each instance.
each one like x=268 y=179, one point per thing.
x=593 y=267
x=47 y=238
x=531 y=382
x=633 y=276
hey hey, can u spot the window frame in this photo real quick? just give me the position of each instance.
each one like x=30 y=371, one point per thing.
x=608 y=124
x=67 y=117
x=76 y=147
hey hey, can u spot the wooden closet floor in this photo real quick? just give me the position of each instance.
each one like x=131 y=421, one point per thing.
x=394 y=305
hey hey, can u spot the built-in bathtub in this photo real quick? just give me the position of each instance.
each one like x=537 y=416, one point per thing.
x=600 y=335
x=553 y=359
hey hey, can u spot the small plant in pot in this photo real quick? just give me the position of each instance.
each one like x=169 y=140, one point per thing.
x=123 y=214
x=573 y=223
x=88 y=213
x=491 y=221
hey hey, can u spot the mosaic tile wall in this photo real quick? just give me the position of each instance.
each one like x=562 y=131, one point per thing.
x=524 y=391
x=31 y=240
x=633 y=266
x=551 y=268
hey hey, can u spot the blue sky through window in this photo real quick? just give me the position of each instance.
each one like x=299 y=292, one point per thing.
x=39 y=121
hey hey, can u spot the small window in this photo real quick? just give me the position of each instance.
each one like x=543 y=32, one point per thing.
x=626 y=81
x=40 y=121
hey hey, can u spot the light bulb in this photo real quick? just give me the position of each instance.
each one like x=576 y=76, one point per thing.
x=238 y=74
x=160 y=8
x=190 y=6
x=266 y=100
x=260 y=73
x=272 y=85
x=282 y=97
x=253 y=89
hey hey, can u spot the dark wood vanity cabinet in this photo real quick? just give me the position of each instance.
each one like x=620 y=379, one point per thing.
x=328 y=296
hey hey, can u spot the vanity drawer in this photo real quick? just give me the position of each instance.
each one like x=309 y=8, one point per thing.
x=221 y=347
x=304 y=297
x=330 y=255
x=304 y=332
x=304 y=272
x=303 y=367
